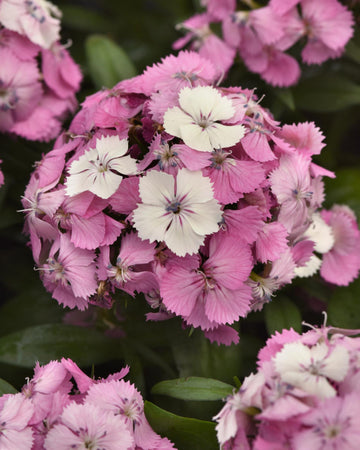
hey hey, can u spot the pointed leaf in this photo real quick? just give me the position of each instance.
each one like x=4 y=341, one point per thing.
x=193 y=388
x=108 y=63
x=46 y=342
x=184 y=432
x=6 y=388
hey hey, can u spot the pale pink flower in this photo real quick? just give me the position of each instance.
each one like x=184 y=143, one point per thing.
x=15 y=415
x=180 y=211
x=20 y=89
x=38 y=20
x=187 y=69
x=214 y=293
x=122 y=399
x=321 y=18
x=334 y=424
x=69 y=273
x=198 y=120
x=291 y=184
x=89 y=426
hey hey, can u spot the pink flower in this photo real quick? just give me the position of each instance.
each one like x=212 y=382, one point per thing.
x=334 y=424
x=215 y=292
x=69 y=273
x=15 y=415
x=321 y=18
x=88 y=426
x=20 y=89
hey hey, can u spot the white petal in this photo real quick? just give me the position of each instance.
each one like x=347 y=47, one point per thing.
x=196 y=137
x=205 y=218
x=310 y=268
x=151 y=222
x=111 y=145
x=337 y=364
x=174 y=118
x=106 y=184
x=207 y=101
x=125 y=165
x=291 y=358
x=321 y=233
x=181 y=238
x=157 y=188
x=223 y=136
x=194 y=186
x=79 y=182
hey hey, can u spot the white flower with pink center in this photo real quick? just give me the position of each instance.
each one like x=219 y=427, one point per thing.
x=99 y=169
x=311 y=369
x=198 y=120
x=180 y=211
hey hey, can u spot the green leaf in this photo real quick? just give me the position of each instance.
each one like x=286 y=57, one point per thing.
x=353 y=51
x=46 y=342
x=33 y=307
x=282 y=313
x=184 y=432
x=108 y=63
x=193 y=388
x=344 y=306
x=344 y=189
x=6 y=388
x=286 y=96
x=326 y=93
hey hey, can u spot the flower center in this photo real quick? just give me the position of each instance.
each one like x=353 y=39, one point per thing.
x=35 y=11
x=174 y=207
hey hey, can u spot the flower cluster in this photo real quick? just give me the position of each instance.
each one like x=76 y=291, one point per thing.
x=305 y=395
x=263 y=35
x=188 y=193
x=38 y=78
x=51 y=412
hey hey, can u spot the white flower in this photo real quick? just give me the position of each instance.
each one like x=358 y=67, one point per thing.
x=321 y=233
x=309 y=268
x=196 y=122
x=178 y=211
x=98 y=169
x=310 y=368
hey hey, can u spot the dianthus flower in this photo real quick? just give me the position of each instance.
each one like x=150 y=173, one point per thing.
x=262 y=35
x=103 y=413
x=38 y=78
x=300 y=395
x=149 y=185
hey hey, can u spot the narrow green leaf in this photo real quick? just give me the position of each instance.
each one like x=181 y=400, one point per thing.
x=326 y=93
x=108 y=63
x=344 y=306
x=282 y=313
x=184 y=432
x=46 y=342
x=193 y=388
x=6 y=388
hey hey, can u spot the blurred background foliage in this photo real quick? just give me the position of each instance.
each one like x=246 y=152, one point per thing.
x=113 y=40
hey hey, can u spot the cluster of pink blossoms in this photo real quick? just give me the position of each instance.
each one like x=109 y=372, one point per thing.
x=171 y=187
x=52 y=413
x=305 y=395
x=38 y=78
x=262 y=35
